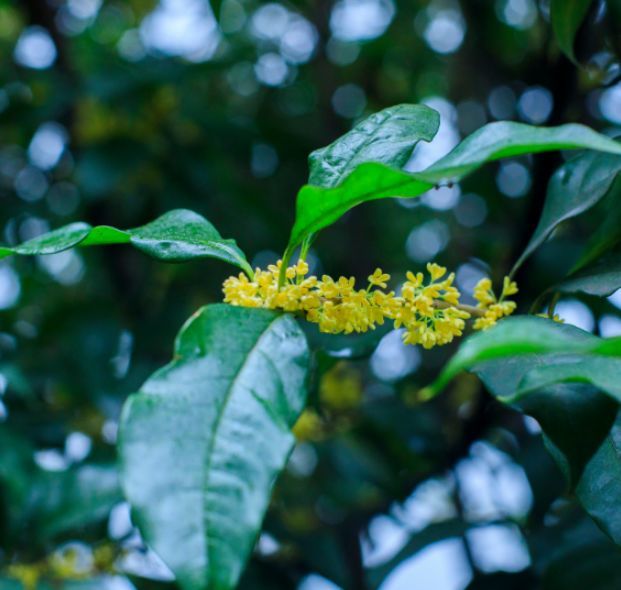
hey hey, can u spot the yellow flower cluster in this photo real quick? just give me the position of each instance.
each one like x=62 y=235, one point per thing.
x=336 y=306
x=428 y=309
x=494 y=308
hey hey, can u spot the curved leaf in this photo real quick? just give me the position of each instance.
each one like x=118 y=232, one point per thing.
x=575 y=187
x=578 y=422
x=599 y=489
x=176 y=236
x=387 y=137
x=203 y=441
x=567 y=16
x=317 y=207
x=601 y=279
x=519 y=336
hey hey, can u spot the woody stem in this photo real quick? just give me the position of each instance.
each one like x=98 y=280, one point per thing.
x=473 y=311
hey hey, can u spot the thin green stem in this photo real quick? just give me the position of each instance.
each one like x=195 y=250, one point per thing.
x=282 y=277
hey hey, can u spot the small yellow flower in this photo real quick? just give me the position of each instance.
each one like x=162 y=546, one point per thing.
x=509 y=287
x=435 y=271
x=495 y=308
x=379 y=278
x=309 y=427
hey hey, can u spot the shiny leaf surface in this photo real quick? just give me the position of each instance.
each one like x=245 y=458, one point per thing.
x=387 y=137
x=318 y=207
x=203 y=441
x=176 y=236
x=574 y=188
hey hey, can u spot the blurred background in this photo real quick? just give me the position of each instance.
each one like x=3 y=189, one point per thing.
x=116 y=111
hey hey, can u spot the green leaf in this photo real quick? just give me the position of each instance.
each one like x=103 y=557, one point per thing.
x=575 y=187
x=581 y=431
x=319 y=207
x=567 y=16
x=596 y=566
x=526 y=335
x=601 y=279
x=388 y=137
x=203 y=441
x=98 y=583
x=176 y=236
x=599 y=490
x=66 y=501
x=608 y=232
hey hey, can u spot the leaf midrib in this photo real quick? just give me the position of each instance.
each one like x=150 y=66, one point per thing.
x=367 y=142
x=212 y=442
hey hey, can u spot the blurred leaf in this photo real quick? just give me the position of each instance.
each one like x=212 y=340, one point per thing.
x=204 y=440
x=319 y=207
x=99 y=583
x=388 y=137
x=67 y=501
x=599 y=489
x=594 y=566
x=176 y=236
x=567 y=16
x=504 y=580
x=17 y=470
x=575 y=419
x=573 y=189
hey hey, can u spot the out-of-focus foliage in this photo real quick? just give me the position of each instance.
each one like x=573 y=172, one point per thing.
x=117 y=112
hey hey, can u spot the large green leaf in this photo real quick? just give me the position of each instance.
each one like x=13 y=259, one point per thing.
x=561 y=346
x=318 y=207
x=176 y=236
x=575 y=187
x=579 y=429
x=388 y=137
x=562 y=409
x=203 y=441
x=567 y=16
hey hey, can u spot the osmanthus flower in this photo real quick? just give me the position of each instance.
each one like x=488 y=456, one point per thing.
x=428 y=309
x=494 y=308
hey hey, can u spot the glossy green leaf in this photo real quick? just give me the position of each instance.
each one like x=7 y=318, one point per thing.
x=518 y=336
x=575 y=187
x=567 y=16
x=176 y=236
x=387 y=137
x=318 y=207
x=203 y=441
x=579 y=427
